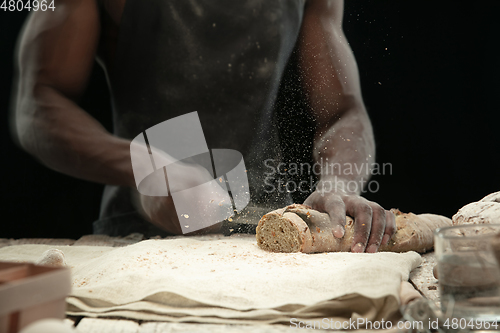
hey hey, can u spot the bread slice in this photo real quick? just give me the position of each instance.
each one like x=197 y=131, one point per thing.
x=299 y=228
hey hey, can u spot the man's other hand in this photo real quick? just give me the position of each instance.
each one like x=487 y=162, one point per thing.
x=373 y=225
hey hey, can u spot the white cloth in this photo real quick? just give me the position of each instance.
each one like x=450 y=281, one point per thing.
x=227 y=279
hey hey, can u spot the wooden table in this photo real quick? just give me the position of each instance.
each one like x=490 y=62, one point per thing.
x=421 y=278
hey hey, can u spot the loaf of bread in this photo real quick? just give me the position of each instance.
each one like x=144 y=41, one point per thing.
x=299 y=228
x=484 y=211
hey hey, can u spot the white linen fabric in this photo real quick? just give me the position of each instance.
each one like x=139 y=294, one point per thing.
x=217 y=279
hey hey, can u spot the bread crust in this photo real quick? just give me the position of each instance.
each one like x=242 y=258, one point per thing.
x=481 y=212
x=493 y=197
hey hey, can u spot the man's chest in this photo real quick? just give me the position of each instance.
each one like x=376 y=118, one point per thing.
x=199 y=35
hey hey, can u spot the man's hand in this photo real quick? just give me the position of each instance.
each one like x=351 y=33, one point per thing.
x=160 y=211
x=373 y=225
x=155 y=200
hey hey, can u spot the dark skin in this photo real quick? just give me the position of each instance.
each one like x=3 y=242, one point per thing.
x=56 y=55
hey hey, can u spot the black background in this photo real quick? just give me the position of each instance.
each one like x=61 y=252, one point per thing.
x=430 y=76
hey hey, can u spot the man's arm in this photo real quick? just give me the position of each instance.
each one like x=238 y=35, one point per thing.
x=344 y=134
x=55 y=58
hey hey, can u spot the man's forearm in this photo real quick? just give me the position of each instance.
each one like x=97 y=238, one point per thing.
x=65 y=138
x=346 y=151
